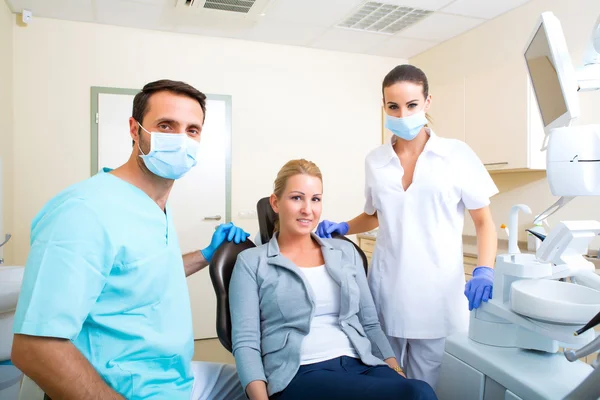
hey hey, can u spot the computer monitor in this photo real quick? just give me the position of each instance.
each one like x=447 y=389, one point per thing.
x=552 y=73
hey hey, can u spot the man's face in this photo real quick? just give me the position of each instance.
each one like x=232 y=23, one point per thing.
x=168 y=113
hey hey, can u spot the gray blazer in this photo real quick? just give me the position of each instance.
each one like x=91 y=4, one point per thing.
x=272 y=306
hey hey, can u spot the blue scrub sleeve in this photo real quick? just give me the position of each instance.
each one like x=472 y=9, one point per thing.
x=69 y=261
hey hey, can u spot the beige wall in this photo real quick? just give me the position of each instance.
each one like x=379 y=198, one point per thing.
x=288 y=102
x=6 y=135
x=497 y=42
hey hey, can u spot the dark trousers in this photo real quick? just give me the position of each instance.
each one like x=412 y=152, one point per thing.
x=349 y=379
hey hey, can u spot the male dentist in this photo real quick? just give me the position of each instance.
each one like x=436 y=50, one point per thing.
x=104 y=311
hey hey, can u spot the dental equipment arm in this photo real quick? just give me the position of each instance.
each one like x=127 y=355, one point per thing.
x=592 y=54
x=57 y=367
x=565 y=247
x=589 y=75
x=592 y=347
x=593 y=322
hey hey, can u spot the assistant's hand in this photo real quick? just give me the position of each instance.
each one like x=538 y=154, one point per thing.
x=228 y=232
x=479 y=288
x=326 y=228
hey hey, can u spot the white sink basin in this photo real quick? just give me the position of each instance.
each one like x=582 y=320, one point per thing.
x=554 y=301
x=10 y=285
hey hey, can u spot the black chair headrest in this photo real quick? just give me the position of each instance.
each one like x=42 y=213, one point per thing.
x=266 y=219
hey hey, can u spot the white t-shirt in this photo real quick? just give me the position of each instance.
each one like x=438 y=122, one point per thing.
x=417 y=276
x=326 y=340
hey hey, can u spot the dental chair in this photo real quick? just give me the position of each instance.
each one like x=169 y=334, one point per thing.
x=223 y=261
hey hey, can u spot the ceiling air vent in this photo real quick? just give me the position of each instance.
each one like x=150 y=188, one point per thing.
x=383 y=18
x=248 y=9
x=241 y=6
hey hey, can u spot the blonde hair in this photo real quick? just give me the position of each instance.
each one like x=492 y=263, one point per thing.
x=293 y=168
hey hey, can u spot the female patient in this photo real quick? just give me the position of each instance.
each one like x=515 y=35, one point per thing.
x=303 y=321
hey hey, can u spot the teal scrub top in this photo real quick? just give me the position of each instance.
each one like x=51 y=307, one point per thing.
x=105 y=271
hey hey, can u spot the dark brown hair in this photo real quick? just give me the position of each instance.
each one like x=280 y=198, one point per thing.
x=140 y=102
x=406 y=73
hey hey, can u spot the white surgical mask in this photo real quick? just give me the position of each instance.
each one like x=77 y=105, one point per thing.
x=171 y=155
x=406 y=128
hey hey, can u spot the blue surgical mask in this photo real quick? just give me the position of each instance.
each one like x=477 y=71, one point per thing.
x=171 y=155
x=406 y=128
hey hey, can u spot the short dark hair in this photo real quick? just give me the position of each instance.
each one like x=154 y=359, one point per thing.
x=140 y=102
x=406 y=73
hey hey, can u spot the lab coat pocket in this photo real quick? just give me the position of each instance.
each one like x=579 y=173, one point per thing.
x=147 y=377
x=145 y=281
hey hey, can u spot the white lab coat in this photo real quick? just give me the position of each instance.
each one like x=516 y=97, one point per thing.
x=417 y=277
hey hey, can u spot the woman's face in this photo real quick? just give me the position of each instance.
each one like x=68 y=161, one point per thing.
x=299 y=207
x=405 y=98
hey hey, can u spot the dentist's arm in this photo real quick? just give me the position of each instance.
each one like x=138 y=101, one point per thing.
x=363 y=223
x=480 y=288
x=193 y=262
x=487 y=239
x=197 y=260
x=59 y=369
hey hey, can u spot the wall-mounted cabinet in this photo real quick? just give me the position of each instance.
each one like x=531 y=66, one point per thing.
x=493 y=112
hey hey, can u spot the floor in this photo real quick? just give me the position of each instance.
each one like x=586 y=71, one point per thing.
x=211 y=350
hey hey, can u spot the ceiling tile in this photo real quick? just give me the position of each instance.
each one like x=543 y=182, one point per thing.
x=169 y=3
x=422 y=4
x=400 y=47
x=482 y=9
x=312 y=12
x=133 y=14
x=207 y=26
x=349 y=40
x=440 y=27
x=77 y=10
x=284 y=33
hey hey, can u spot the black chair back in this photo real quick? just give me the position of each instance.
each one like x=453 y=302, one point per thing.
x=220 y=269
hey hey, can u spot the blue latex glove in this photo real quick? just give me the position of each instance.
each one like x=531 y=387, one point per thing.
x=326 y=228
x=479 y=288
x=228 y=232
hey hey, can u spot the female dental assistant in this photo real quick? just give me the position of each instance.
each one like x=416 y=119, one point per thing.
x=417 y=188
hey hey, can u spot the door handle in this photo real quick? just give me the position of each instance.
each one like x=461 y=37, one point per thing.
x=213 y=218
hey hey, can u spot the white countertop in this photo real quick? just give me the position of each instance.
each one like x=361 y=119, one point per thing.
x=470 y=247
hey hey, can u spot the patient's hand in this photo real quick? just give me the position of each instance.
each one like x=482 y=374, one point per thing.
x=257 y=390
x=393 y=363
